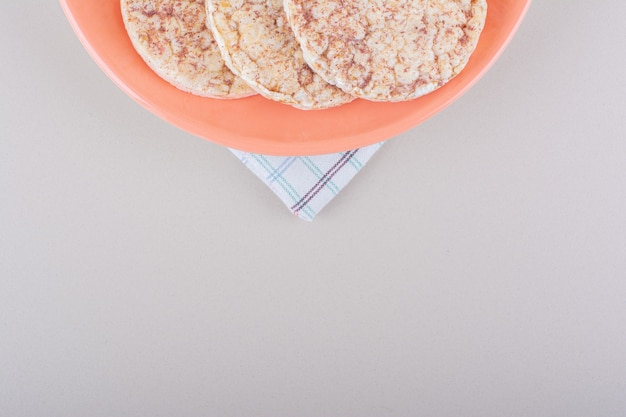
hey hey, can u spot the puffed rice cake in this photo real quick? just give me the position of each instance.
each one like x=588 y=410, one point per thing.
x=387 y=50
x=258 y=45
x=172 y=38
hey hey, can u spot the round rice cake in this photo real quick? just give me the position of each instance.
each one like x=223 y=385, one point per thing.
x=387 y=50
x=172 y=38
x=258 y=45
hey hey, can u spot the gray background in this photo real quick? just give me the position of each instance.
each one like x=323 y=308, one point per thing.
x=476 y=267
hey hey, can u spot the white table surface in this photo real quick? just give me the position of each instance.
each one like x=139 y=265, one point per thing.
x=476 y=267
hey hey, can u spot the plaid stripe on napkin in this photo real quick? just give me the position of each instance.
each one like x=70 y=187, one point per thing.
x=307 y=183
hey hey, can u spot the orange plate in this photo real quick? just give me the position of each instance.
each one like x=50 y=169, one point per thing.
x=255 y=124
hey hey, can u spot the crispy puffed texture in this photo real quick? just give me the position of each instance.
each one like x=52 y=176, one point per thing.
x=387 y=50
x=172 y=38
x=258 y=45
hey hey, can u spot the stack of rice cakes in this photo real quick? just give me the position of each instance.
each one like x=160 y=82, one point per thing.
x=310 y=54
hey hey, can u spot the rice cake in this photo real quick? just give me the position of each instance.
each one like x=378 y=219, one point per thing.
x=387 y=50
x=258 y=45
x=172 y=38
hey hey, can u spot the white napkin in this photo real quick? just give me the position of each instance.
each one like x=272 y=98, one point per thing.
x=307 y=183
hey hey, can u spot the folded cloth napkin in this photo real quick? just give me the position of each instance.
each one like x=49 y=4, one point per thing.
x=307 y=183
